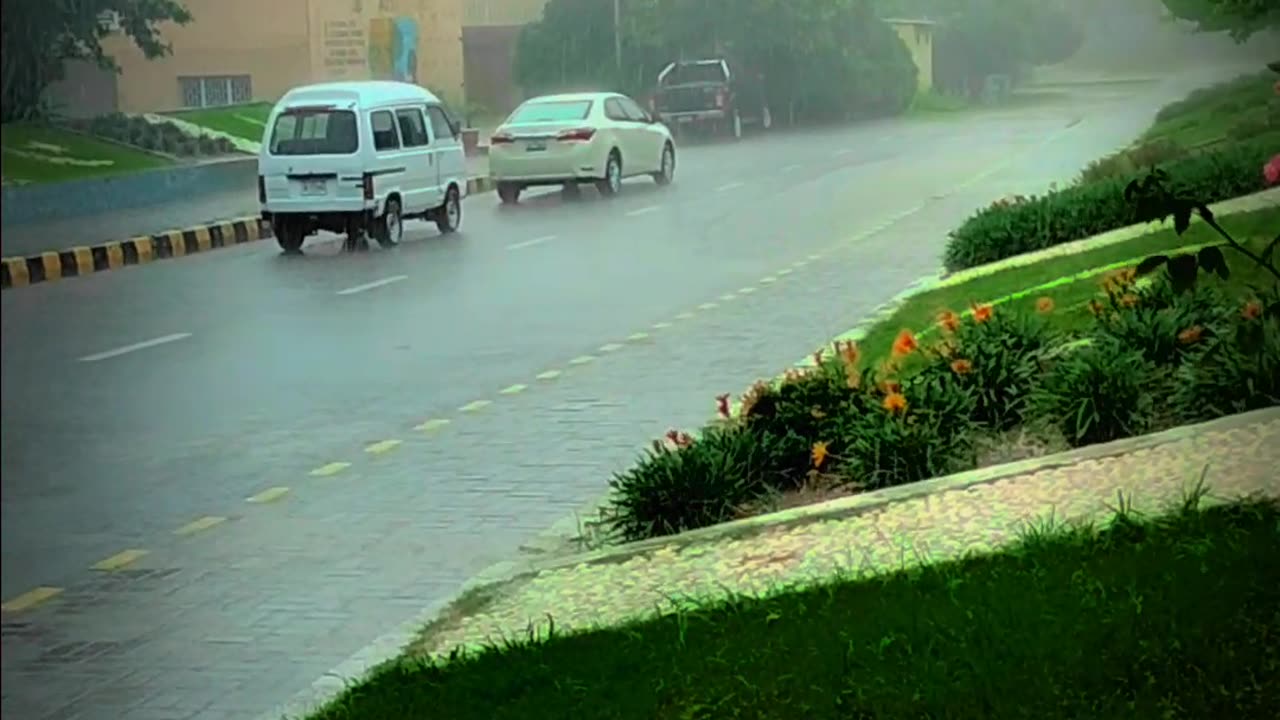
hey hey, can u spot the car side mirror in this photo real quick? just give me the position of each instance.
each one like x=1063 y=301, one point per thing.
x=456 y=127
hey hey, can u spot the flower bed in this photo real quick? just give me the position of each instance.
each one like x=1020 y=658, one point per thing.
x=988 y=385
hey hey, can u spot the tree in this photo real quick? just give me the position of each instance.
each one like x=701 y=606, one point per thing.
x=38 y=37
x=1239 y=18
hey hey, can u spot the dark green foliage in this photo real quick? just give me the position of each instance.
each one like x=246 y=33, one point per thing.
x=1165 y=325
x=1097 y=393
x=1236 y=371
x=163 y=137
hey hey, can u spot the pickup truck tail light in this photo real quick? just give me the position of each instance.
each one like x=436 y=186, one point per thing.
x=501 y=138
x=262 y=189
x=367 y=181
x=720 y=99
x=576 y=135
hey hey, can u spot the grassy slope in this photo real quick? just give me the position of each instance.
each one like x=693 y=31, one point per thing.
x=1164 y=619
x=921 y=311
x=1209 y=114
x=17 y=138
x=243 y=121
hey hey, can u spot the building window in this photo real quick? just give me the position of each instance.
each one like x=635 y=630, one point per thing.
x=215 y=90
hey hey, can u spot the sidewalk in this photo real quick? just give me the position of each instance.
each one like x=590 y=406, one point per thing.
x=33 y=238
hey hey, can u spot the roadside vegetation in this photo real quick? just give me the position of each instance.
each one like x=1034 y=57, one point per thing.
x=36 y=153
x=247 y=122
x=1145 y=618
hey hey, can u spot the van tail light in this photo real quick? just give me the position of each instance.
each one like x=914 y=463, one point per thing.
x=368 y=186
x=501 y=138
x=720 y=98
x=262 y=189
x=576 y=135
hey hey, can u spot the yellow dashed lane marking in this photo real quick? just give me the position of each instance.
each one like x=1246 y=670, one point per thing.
x=582 y=360
x=268 y=495
x=513 y=389
x=708 y=306
x=332 y=468
x=31 y=598
x=379 y=448
x=684 y=316
x=548 y=375
x=475 y=405
x=638 y=337
x=122 y=559
x=746 y=291
x=200 y=525
x=661 y=325
x=432 y=425
x=610 y=347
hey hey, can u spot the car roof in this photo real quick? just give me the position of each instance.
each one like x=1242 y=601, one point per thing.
x=371 y=92
x=572 y=97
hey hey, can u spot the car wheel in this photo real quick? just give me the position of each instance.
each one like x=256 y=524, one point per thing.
x=611 y=183
x=288 y=236
x=508 y=193
x=735 y=126
x=667 y=170
x=767 y=120
x=390 y=227
x=449 y=216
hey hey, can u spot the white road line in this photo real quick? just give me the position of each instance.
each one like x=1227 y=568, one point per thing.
x=843 y=151
x=790 y=168
x=642 y=211
x=135 y=347
x=531 y=243
x=373 y=285
x=730 y=186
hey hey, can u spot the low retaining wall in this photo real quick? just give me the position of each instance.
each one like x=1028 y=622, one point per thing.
x=79 y=198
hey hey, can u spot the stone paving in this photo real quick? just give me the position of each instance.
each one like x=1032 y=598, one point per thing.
x=1236 y=457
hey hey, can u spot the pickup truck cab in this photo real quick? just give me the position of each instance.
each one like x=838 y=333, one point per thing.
x=360 y=158
x=706 y=94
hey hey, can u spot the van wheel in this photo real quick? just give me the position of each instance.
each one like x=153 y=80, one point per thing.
x=390 y=227
x=449 y=216
x=508 y=193
x=288 y=236
x=611 y=183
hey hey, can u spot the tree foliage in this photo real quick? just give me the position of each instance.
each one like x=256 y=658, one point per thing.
x=40 y=36
x=1240 y=18
x=816 y=57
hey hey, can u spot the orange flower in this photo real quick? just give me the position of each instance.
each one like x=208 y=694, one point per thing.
x=1252 y=310
x=1129 y=300
x=819 y=454
x=752 y=396
x=1044 y=305
x=981 y=313
x=905 y=344
x=948 y=321
x=1191 y=335
x=895 y=403
x=852 y=380
x=960 y=366
x=677 y=438
x=889 y=387
x=848 y=352
x=722 y=405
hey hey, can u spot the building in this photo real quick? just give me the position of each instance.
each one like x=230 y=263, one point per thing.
x=917 y=35
x=489 y=33
x=237 y=51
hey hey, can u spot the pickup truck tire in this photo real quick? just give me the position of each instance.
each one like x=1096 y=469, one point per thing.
x=508 y=193
x=611 y=183
x=735 y=126
x=667 y=167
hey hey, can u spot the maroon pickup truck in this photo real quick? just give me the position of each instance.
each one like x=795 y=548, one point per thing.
x=706 y=94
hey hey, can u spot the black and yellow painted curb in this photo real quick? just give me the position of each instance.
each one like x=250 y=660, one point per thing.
x=86 y=260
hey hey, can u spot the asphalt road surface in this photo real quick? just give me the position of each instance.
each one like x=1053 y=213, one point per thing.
x=231 y=437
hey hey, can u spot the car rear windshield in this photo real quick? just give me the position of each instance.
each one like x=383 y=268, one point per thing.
x=548 y=112
x=695 y=73
x=315 y=131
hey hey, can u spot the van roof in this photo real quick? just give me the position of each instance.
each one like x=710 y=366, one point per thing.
x=370 y=92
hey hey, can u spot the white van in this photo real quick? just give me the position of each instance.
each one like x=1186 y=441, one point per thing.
x=360 y=158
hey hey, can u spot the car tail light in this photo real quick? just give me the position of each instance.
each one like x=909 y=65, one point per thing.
x=500 y=139
x=576 y=135
x=368 y=186
x=720 y=98
x=262 y=189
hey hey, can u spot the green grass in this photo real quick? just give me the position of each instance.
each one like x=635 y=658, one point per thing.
x=921 y=311
x=1174 y=617
x=243 y=121
x=41 y=154
x=1209 y=115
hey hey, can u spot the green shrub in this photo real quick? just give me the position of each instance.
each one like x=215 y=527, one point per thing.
x=675 y=489
x=1126 y=163
x=1005 y=229
x=1097 y=393
x=1233 y=373
x=1235 y=91
x=1164 y=325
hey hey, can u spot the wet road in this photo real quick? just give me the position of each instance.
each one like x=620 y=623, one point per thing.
x=232 y=436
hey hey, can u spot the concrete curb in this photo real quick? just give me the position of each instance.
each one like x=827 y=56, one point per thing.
x=16 y=272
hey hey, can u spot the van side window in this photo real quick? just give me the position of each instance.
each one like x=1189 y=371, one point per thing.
x=440 y=122
x=613 y=110
x=384 y=131
x=412 y=127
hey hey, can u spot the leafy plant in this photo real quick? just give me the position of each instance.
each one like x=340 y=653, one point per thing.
x=1164 y=323
x=1235 y=372
x=1125 y=163
x=1097 y=393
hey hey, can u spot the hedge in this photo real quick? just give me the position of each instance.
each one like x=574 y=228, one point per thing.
x=1021 y=225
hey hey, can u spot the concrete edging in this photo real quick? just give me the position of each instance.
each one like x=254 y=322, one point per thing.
x=22 y=271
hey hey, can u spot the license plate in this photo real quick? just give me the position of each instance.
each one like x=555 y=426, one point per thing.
x=314 y=187
x=535 y=147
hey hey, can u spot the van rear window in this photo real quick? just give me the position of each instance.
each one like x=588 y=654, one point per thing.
x=315 y=131
x=539 y=112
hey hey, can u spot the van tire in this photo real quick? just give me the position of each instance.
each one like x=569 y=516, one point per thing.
x=289 y=235
x=508 y=193
x=389 y=228
x=449 y=215
x=611 y=183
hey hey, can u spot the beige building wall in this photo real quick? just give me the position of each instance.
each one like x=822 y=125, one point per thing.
x=279 y=44
x=486 y=13
x=917 y=35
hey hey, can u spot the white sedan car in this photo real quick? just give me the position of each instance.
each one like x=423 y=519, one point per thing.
x=568 y=140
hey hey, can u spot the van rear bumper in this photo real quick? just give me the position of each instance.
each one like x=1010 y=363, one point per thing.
x=341 y=222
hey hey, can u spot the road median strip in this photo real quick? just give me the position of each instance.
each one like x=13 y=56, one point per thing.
x=53 y=265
